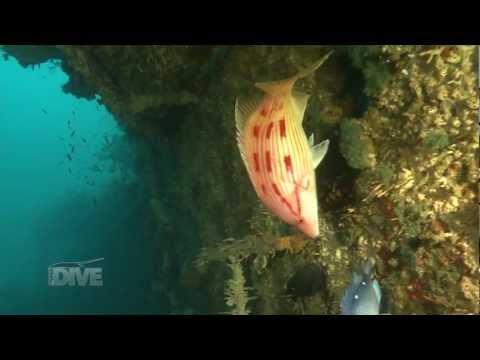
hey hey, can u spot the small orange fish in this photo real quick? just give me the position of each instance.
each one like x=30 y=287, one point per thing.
x=280 y=161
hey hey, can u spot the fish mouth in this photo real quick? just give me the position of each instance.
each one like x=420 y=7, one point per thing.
x=308 y=229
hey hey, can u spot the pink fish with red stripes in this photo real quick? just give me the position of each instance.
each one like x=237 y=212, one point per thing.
x=279 y=158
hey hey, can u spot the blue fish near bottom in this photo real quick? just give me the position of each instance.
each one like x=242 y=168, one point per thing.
x=364 y=295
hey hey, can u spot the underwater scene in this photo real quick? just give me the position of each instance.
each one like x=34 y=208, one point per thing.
x=243 y=180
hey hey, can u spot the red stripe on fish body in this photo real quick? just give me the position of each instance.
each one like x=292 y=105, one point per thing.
x=256 y=161
x=288 y=163
x=283 y=132
x=264 y=189
x=256 y=130
x=269 y=130
x=268 y=160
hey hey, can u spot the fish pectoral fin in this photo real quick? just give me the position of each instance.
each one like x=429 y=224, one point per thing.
x=318 y=152
x=300 y=100
x=311 y=140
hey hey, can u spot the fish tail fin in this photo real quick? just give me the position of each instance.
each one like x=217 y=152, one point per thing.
x=310 y=69
x=271 y=87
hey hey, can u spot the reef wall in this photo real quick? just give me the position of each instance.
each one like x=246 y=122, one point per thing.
x=400 y=181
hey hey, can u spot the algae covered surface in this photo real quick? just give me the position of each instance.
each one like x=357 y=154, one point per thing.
x=399 y=183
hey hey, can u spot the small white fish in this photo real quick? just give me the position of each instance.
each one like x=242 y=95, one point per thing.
x=363 y=296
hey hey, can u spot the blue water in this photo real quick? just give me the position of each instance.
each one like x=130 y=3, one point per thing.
x=53 y=209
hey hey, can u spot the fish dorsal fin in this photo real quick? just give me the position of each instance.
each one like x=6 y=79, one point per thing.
x=300 y=100
x=244 y=108
x=318 y=152
x=311 y=140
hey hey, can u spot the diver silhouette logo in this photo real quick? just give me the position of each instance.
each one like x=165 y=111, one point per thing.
x=75 y=273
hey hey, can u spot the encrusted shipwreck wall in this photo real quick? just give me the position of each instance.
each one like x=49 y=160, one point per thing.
x=399 y=182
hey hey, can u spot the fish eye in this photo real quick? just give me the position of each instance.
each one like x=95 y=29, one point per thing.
x=355 y=297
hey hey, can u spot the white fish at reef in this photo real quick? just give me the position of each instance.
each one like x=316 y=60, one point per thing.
x=363 y=296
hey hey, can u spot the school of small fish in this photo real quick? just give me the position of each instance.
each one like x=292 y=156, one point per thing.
x=70 y=153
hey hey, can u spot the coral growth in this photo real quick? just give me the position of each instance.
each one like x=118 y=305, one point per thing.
x=236 y=294
x=355 y=145
x=423 y=128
